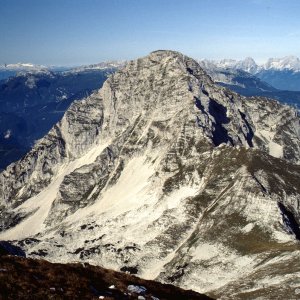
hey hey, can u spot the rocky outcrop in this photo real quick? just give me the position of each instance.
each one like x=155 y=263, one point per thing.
x=166 y=174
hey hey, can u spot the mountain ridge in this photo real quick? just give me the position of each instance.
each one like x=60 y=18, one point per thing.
x=291 y=63
x=281 y=73
x=144 y=173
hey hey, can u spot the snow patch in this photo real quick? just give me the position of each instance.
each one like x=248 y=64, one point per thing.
x=275 y=149
x=130 y=192
x=247 y=228
x=30 y=82
x=7 y=134
x=204 y=251
x=266 y=134
x=173 y=201
x=217 y=265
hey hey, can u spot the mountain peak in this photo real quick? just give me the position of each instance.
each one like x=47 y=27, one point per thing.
x=285 y=63
x=170 y=54
x=248 y=65
x=166 y=52
x=163 y=64
x=164 y=173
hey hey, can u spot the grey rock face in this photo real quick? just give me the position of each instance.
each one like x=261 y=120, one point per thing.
x=167 y=174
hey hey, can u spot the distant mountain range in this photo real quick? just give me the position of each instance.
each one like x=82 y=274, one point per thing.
x=8 y=70
x=248 y=84
x=100 y=66
x=291 y=63
x=281 y=73
x=22 y=66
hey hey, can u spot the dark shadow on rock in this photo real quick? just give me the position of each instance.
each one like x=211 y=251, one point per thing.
x=250 y=133
x=9 y=249
x=290 y=221
x=220 y=133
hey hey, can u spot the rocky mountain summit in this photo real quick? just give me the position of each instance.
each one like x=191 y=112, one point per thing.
x=164 y=174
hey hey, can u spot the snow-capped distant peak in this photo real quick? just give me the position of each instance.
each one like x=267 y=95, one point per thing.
x=284 y=63
x=227 y=63
x=100 y=66
x=22 y=67
x=7 y=134
x=248 y=65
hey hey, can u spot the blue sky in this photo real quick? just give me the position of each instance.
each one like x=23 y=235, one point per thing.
x=72 y=32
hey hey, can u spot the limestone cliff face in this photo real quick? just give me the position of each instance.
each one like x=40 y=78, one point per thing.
x=164 y=173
